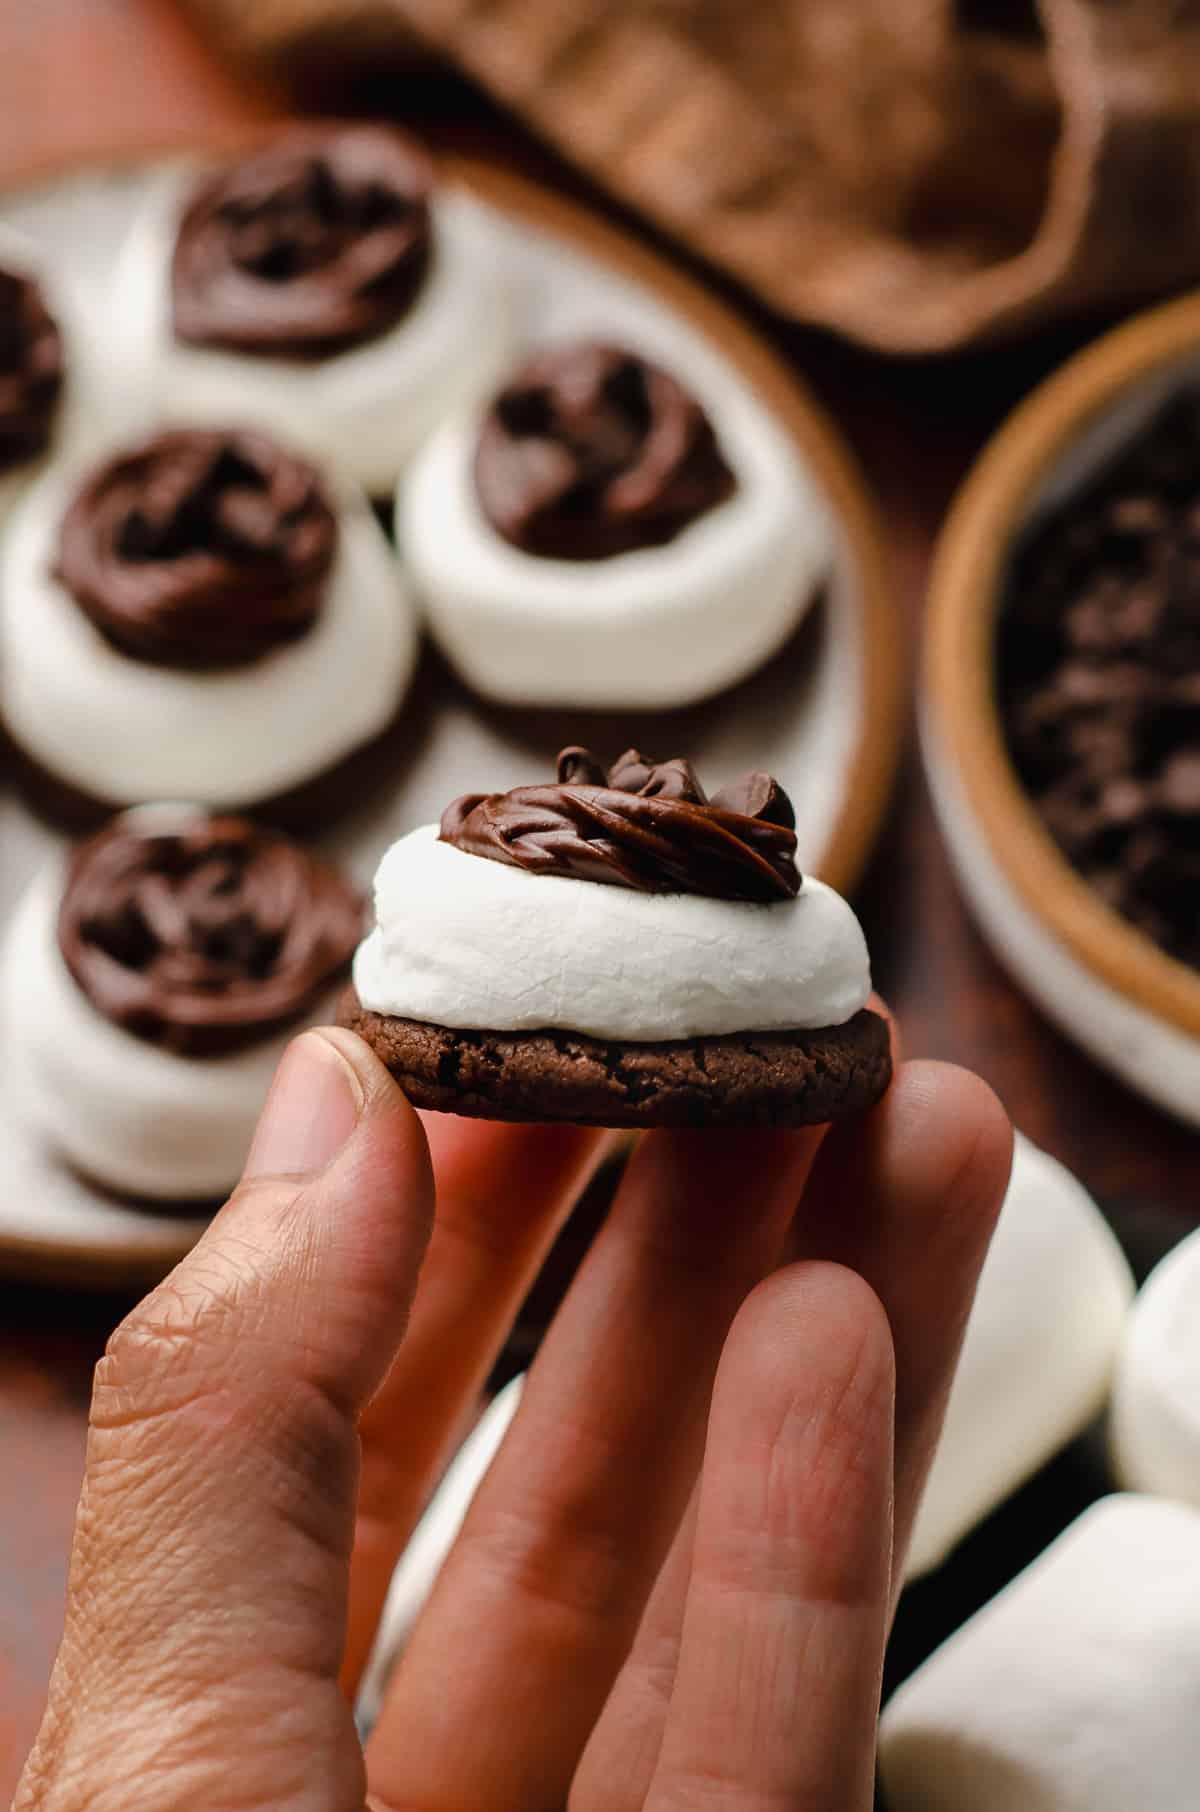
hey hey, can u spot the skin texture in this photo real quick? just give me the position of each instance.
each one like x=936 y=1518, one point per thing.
x=673 y=1589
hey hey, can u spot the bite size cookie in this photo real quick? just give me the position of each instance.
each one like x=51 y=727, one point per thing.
x=202 y=617
x=602 y=535
x=323 y=286
x=148 y=990
x=621 y=950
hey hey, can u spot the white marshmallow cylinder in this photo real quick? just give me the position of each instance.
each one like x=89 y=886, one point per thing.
x=648 y=629
x=1038 y=1353
x=1077 y=1689
x=125 y=731
x=1155 y=1427
x=133 y=1117
x=363 y=411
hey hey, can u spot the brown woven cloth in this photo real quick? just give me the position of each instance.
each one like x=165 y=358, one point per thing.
x=915 y=173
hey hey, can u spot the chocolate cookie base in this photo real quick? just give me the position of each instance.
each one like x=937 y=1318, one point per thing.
x=741 y=1079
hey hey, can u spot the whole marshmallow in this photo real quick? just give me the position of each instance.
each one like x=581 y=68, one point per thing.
x=363 y=411
x=1077 y=1689
x=464 y=941
x=124 y=730
x=127 y=1113
x=1038 y=1352
x=1156 y=1400
x=657 y=627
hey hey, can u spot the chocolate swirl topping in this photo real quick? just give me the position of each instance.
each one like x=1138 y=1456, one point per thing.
x=204 y=935
x=199 y=549
x=592 y=451
x=317 y=243
x=31 y=369
x=646 y=825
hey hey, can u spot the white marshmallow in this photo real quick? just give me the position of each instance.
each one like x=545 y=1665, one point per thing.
x=124 y=731
x=125 y=1112
x=1156 y=1401
x=655 y=627
x=362 y=411
x=434 y=1536
x=1038 y=1352
x=464 y=941
x=1077 y=1689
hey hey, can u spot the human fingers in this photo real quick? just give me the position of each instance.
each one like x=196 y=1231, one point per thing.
x=908 y=1197
x=536 y=1606
x=502 y=1194
x=776 y=1690
x=208 y=1575
x=621 y=1755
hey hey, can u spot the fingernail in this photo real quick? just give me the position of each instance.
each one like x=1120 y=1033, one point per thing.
x=312 y=1109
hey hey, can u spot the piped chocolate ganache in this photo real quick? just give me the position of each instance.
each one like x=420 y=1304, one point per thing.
x=642 y=824
x=318 y=243
x=199 y=549
x=205 y=936
x=592 y=451
x=31 y=369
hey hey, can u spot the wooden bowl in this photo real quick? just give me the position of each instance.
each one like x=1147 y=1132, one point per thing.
x=1133 y=1007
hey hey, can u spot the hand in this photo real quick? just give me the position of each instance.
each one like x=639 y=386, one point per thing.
x=674 y=1586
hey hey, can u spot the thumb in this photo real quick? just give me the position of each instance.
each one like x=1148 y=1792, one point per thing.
x=210 y=1563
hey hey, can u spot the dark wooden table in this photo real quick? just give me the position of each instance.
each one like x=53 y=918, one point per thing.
x=94 y=77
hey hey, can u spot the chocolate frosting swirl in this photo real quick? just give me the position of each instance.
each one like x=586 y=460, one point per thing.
x=592 y=451
x=205 y=935
x=317 y=243
x=199 y=548
x=643 y=824
x=31 y=369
